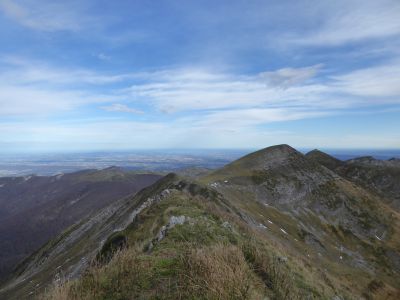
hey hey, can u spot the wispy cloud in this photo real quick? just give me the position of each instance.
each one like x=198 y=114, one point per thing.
x=32 y=87
x=288 y=77
x=103 y=56
x=36 y=101
x=30 y=71
x=190 y=90
x=342 y=22
x=240 y=118
x=379 y=82
x=117 y=107
x=44 y=16
x=29 y=86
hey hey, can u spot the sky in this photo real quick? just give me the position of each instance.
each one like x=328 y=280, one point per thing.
x=94 y=75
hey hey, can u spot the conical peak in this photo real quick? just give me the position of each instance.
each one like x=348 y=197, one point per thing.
x=269 y=156
x=324 y=159
x=280 y=150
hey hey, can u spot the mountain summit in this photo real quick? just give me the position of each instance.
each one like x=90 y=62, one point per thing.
x=267 y=157
x=324 y=159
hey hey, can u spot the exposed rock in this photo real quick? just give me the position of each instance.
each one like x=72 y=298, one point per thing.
x=282 y=259
x=227 y=225
x=173 y=221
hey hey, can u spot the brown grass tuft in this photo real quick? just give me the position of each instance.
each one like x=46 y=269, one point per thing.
x=216 y=272
x=272 y=270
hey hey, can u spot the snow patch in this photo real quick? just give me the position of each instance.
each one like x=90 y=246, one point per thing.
x=262 y=226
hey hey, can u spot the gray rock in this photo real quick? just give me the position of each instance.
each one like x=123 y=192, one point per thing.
x=173 y=221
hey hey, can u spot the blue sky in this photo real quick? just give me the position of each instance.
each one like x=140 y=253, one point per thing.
x=115 y=75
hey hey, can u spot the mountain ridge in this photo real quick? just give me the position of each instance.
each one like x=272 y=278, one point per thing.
x=295 y=228
x=381 y=177
x=35 y=209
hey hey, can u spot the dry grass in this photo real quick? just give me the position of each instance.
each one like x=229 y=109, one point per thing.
x=122 y=278
x=58 y=292
x=216 y=272
x=272 y=270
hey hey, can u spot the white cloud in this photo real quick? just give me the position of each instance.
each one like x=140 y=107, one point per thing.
x=44 y=16
x=341 y=22
x=245 y=119
x=32 y=87
x=28 y=71
x=288 y=77
x=188 y=89
x=34 y=101
x=117 y=107
x=103 y=56
x=378 y=82
x=25 y=89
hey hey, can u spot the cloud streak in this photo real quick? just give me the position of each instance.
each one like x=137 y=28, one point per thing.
x=190 y=90
x=353 y=21
x=33 y=87
x=117 y=107
x=288 y=77
x=46 y=16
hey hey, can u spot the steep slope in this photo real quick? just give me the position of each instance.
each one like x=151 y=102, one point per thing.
x=378 y=176
x=381 y=176
x=180 y=240
x=34 y=209
x=285 y=178
x=341 y=224
x=272 y=225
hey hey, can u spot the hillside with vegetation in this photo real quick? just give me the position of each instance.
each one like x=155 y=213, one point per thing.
x=275 y=224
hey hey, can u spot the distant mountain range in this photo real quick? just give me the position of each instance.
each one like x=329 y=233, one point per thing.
x=274 y=224
x=13 y=165
x=152 y=160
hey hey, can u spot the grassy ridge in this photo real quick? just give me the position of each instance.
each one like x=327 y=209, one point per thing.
x=213 y=255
